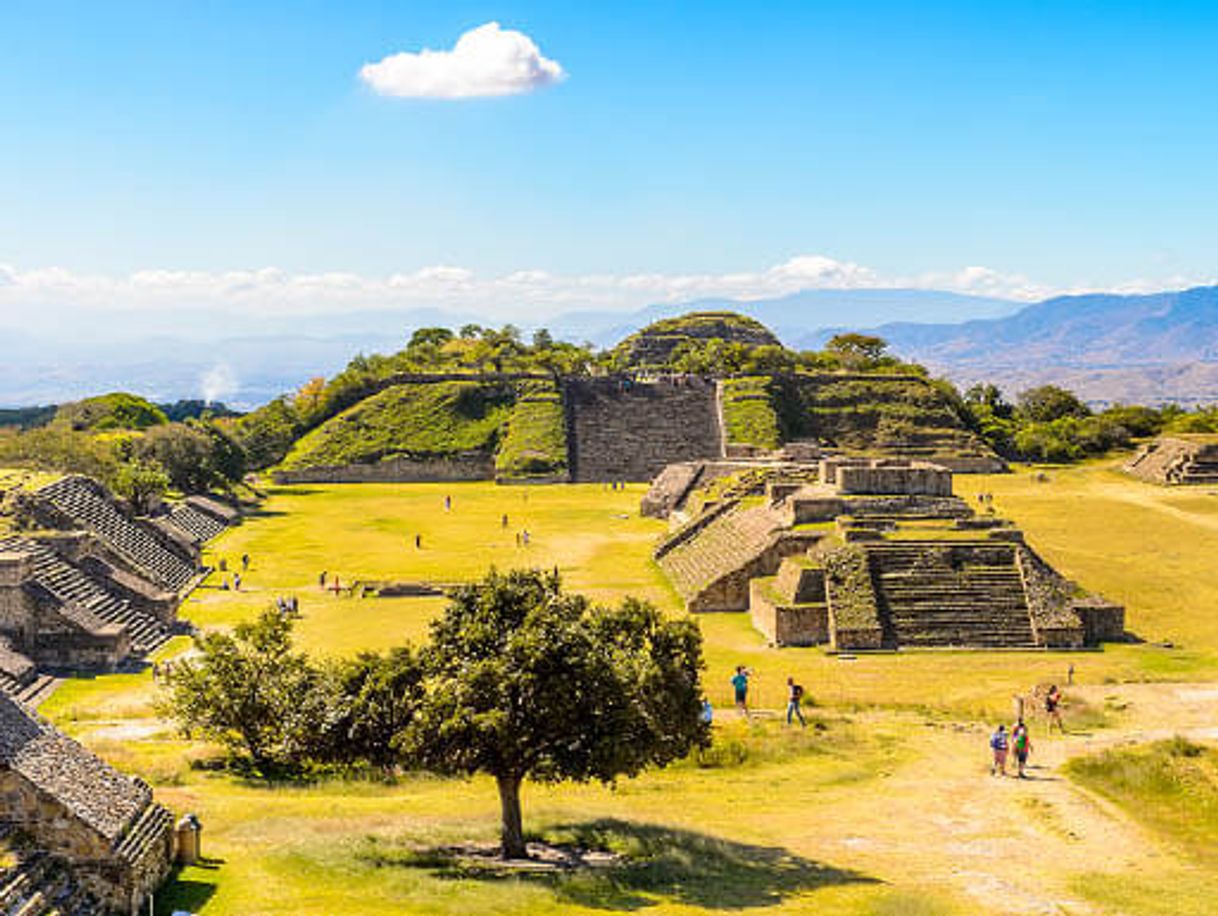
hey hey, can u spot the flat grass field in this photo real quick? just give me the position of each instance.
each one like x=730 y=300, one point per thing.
x=882 y=806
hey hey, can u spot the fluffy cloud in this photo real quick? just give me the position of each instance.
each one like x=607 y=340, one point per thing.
x=486 y=61
x=519 y=295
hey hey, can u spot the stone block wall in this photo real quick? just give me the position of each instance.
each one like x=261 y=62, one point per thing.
x=470 y=466
x=622 y=429
x=785 y=624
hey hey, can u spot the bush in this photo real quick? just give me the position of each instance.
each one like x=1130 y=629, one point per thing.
x=535 y=443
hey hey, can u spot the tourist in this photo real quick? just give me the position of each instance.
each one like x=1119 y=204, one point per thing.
x=245 y=562
x=418 y=542
x=1070 y=675
x=740 y=687
x=236 y=582
x=224 y=584
x=1053 y=702
x=503 y=522
x=448 y=503
x=321 y=580
x=708 y=712
x=223 y=564
x=998 y=744
x=524 y=537
x=1021 y=742
x=518 y=539
x=795 y=695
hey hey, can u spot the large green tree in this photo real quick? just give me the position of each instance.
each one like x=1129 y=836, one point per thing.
x=524 y=681
x=253 y=692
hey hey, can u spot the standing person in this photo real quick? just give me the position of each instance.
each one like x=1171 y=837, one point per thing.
x=503 y=523
x=795 y=696
x=418 y=542
x=740 y=687
x=1053 y=702
x=1021 y=742
x=708 y=712
x=1070 y=675
x=321 y=580
x=998 y=744
x=448 y=504
x=245 y=562
x=236 y=582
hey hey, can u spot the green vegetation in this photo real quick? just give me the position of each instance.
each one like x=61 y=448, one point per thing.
x=1170 y=786
x=432 y=418
x=1050 y=424
x=535 y=444
x=27 y=417
x=748 y=412
x=118 y=410
x=866 y=412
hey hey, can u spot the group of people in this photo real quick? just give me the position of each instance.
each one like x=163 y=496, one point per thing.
x=235 y=585
x=1019 y=739
x=795 y=695
x=287 y=606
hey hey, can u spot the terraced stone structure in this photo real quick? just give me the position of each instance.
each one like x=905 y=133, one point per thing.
x=630 y=424
x=856 y=564
x=94 y=587
x=1177 y=461
x=85 y=838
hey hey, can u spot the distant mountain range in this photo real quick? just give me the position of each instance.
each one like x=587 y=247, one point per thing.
x=1108 y=347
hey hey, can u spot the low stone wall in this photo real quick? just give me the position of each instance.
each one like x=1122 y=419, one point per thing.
x=784 y=624
x=476 y=466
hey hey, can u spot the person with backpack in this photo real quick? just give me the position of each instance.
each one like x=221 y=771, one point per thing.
x=998 y=744
x=1021 y=742
x=795 y=695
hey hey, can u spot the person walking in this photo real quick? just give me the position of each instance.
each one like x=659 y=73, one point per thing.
x=448 y=504
x=1053 y=702
x=503 y=523
x=999 y=744
x=740 y=687
x=245 y=562
x=236 y=582
x=418 y=542
x=1021 y=743
x=795 y=696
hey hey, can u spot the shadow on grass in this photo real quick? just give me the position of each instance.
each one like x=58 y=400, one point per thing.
x=657 y=865
x=181 y=893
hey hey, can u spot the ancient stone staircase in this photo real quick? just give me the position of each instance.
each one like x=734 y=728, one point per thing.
x=619 y=429
x=150 y=828
x=38 y=885
x=722 y=549
x=70 y=586
x=954 y=593
x=199 y=525
x=87 y=504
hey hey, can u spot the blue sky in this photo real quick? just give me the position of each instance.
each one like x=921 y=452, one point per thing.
x=691 y=148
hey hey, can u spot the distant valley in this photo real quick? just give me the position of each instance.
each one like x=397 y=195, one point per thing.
x=1107 y=347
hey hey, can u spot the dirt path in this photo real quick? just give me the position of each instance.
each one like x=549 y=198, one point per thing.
x=1014 y=845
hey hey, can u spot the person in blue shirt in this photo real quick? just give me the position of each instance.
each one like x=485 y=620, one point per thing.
x=999 y=745
x=740 y=686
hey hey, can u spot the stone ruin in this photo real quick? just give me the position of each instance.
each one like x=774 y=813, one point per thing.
x=1177 y=460
x=876 y=554
x=77 y=838
x=87 y=586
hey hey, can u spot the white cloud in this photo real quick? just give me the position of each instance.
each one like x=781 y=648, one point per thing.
x=518 y=295
x=486 y=61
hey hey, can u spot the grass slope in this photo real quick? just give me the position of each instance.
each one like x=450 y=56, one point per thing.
x=748 y=412
x=535 y=444
x=434 y=418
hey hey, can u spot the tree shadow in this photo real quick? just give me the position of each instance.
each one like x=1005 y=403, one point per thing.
x=180 y=893
x=655 y=865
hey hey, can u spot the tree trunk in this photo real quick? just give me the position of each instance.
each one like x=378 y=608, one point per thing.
x=513 y=831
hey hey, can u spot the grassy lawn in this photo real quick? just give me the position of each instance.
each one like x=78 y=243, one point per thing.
x=827 y=820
